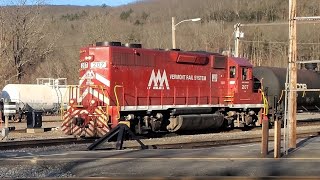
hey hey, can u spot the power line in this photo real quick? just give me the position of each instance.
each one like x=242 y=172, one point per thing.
x=270 y=42
x=308 y=61
x=313 y=18
x=279 y=42
x=276 y=23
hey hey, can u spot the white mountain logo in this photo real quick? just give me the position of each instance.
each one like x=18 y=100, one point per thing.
x=158 y=81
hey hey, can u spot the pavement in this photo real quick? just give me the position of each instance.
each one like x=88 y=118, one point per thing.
x=234 y=160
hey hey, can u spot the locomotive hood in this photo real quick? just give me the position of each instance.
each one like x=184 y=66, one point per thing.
x=242 y=61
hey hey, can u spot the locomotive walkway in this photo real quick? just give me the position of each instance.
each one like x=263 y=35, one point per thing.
x=234 y=160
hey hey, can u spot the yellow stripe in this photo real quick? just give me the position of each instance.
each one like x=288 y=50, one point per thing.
x=46 y=157
x=89 y=132
x=102 y=121
x=102 y=117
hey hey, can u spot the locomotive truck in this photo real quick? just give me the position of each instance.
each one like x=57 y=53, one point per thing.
x=154 y=90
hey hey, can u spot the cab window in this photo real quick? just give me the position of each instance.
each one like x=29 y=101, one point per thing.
x=232 y=72
x=244 y=74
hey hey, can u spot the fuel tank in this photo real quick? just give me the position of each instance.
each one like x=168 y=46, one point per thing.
x=195 y=122
x=273 y=81
x=36 y=97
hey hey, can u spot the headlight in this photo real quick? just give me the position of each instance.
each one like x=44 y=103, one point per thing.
x=88 y=58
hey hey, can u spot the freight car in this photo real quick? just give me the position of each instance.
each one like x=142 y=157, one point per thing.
x=160 y=90
x=274 y=79
x=47 y=96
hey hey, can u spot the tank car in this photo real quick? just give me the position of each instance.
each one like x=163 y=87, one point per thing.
x=47 y=98
x=274 y=79
x=154 y=90
x=35 y=97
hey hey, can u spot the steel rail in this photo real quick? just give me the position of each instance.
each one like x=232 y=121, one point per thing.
x=6 y=145
x=211 y=143
x=192 y=178
x=217 y=143
x=41 y=143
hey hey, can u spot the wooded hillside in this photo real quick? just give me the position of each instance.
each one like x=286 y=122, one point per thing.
x=44 y=41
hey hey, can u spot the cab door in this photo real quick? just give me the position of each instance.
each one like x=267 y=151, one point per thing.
x=232 y=78
x=232 y=84
x=244 y=83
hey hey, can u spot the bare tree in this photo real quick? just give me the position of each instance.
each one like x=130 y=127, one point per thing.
x=23 y=38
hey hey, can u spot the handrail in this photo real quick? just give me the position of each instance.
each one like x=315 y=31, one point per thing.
x=265 y=101
x=67 y=98
x=62 y=102
x=107 y=105
x=280 y=97
x=199 y=96
x=117 y=100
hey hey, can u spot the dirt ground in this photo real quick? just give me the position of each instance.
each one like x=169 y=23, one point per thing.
x=51 y=126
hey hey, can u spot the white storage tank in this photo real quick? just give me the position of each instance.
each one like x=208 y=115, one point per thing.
x=46 y=98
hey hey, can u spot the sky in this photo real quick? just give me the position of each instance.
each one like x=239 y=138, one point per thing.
x=90 y=2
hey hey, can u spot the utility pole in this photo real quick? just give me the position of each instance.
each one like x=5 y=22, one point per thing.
x=173 y=33
x=236 y=40
x=237 y=35
x=292 y=103
x=291 y=106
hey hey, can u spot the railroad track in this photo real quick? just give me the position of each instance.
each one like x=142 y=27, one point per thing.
x=186 y=178
x=171 y=145
x=152 y=144
x=308 y=122
x=216 y=143
x=42 y=143
x=193 y=144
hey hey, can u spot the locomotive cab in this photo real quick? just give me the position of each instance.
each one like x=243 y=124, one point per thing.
x=242 y=91
x=240 y=81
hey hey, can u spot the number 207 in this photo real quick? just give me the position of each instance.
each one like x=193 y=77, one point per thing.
x=245 y=86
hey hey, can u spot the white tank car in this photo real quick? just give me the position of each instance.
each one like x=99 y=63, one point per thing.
x=45 y=98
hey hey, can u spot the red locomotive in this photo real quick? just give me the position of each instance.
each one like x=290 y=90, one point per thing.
x=160 y=90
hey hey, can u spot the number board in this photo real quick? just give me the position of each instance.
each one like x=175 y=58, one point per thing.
x=84 y=65
x=98 y=64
